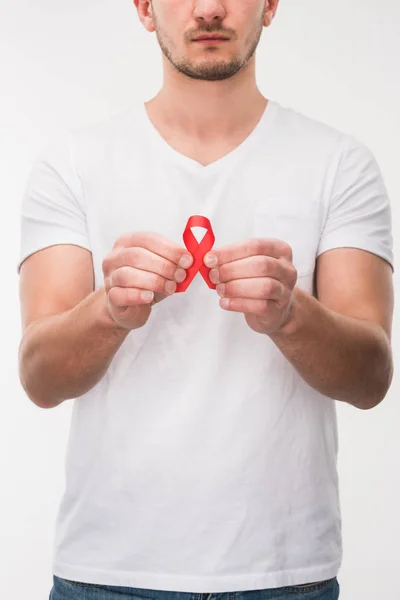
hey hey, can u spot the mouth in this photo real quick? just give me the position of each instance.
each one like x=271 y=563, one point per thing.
x=211 y=39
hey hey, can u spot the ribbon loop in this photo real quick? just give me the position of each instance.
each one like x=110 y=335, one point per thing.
x=198 y=251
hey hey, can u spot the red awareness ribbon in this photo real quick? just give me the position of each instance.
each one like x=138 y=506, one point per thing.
x=198 y=251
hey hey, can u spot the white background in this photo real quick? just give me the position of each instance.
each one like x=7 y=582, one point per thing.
x=67 y=63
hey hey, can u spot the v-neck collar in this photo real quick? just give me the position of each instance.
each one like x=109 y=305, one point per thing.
x=194 y=166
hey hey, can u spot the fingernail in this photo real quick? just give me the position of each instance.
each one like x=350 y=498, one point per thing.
x=220 y=289
x=147 y=296
x=170 y=287
x=210 y=260
x=180 y=275
x=214 y=275
x=185 y=261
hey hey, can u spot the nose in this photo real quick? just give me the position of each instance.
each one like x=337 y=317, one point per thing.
x=209 y=10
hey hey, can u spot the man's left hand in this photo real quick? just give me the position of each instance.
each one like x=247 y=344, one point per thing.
x=257 y=278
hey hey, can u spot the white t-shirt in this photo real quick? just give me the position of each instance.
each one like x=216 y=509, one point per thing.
x=202 y=461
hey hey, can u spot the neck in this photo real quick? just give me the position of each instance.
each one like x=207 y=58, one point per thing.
x=205 y=110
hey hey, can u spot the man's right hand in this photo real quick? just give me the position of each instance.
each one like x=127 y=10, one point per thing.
x=139 y=264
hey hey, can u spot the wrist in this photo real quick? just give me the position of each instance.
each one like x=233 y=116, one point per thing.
x=292 y=323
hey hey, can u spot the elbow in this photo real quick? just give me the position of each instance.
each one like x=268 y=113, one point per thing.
x=368 y=403
x=43 y=403
x=35 y=398
x=372 y=401
x=382 y=368
x=26 y=373
x=383 y=381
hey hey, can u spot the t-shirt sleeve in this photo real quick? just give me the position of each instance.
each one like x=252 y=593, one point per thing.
x=359 y=214
x=52 y=210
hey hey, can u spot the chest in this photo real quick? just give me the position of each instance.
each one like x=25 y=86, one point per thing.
x=258 y=198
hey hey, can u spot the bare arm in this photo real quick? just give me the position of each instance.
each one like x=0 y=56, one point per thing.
x=72 y=333
x=69 y=338
x=341 y=343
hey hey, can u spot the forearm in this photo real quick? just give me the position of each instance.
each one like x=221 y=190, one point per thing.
x=342 y=357
x=63 y=356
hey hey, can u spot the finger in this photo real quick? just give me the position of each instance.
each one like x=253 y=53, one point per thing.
x=253 y=266
x=125 y=297
x=252 y=247
x=144 y=280
x=263 y=288
x=259 y=308
x=157 y=244
x=143 y=259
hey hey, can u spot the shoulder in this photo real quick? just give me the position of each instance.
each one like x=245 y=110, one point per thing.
x=300 y=124
x=105 y=138
x=317 y=139
x=108 y=127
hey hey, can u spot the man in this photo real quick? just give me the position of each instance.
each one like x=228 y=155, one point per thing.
x=202 y=453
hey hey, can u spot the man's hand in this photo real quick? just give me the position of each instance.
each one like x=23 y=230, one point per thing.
x=257 y=278
x=143 y=268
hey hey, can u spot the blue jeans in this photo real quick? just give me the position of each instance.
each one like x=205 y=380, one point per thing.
x=72 y=590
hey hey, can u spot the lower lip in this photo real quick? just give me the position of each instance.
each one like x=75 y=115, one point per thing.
x=211 y=41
